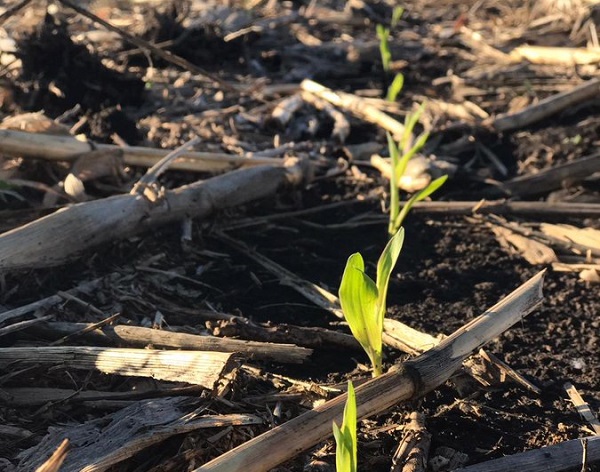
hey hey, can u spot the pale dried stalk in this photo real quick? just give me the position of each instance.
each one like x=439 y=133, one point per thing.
x=356 y=106
x=547 y=107
x=566 y=455
x=556 y=55
x=582 y=407
x=59 y=148
x=65 y=234
x=138 y=336
x=505 y=207
x=411 y=380
x=56 y=459
x=548 y=179
x=36 y=396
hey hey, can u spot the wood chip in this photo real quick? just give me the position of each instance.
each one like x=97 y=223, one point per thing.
x=195 y=367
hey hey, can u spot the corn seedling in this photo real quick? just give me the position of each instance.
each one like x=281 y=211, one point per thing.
x=397 y=13
x=400 y=154
x=364 y=301
x=383 y=34
x=395 y=88
x=345 y=437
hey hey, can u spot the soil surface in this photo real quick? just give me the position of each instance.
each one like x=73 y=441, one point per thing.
x=451 y=269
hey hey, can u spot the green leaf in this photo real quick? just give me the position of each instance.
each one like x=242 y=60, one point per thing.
x=384 y=49
x=350 y=420
x=417 y=197
x=395 y=88
x=409 y=125
x=432 y=187
x=394 y=192
x=358 y=298
x=385 y=265
x=345 y=437
x=396 y=15
x=421 y=141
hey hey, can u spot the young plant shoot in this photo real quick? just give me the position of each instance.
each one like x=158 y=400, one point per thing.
x=364 y=301
x=386 y=60
x=345 y=437
x=400 y=154
x=383 y=34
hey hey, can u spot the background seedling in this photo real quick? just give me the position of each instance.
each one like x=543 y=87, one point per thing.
x=400 y=154
x=383 y=33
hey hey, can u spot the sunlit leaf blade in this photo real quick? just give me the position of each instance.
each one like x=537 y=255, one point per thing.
x=385 y=265
x=350 y=419
x=397 y=13
x=384 y=48
x=408 y=155
x=395 y=88
x=345 y=437
x=342 y=453
x=358 y=297
x=409 y=125
x=432 y=187
x=394 y=194
x=401 y=166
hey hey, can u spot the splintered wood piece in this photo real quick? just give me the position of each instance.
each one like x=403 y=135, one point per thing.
x=56 y=459
x=65 y=234
x=566 y=455
x=356 y=106
x=138 y=336
x=66 y=148
x=582 y=407
x=547 y=107
x=410 y=380
x=102 y=443
x=199 y=368
x=413 y=450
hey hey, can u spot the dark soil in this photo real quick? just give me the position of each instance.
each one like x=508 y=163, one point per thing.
x=451 y=268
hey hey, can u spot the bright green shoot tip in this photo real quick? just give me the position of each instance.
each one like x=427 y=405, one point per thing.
x=364 y=301
x=345 y=437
